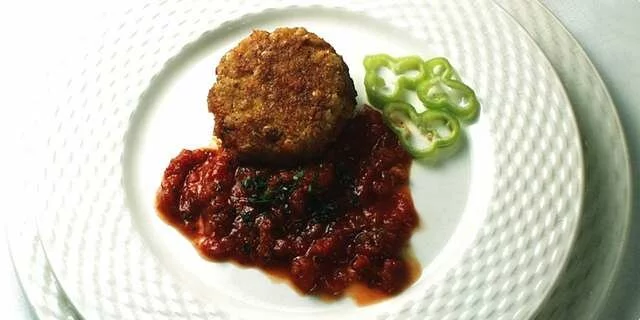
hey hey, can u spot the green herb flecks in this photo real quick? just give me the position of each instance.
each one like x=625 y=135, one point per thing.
x=298 y=175
x=246 y=248
x=261 y=194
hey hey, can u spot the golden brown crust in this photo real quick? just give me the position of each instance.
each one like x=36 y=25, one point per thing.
x=281 y=97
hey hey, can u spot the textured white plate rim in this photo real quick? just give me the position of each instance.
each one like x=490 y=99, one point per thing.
x=564 y=259
x=622 y=245
x=579 y=184
x=63 y=297
x=539 y=32
x=32 y=308
x=628 y=205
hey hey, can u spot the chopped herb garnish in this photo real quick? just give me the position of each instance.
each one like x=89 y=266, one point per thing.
x=354 y=200
x=247 y=182
x=187 y=216
x=314 y=183
x=322 y=210
x=258 y=189
x=256 y=184
x=246 y=248
x=345 y=177
x=299 y=174
x=260 y=194
x=246 y=217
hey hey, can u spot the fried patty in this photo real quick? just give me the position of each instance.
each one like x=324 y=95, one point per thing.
x=281 y=97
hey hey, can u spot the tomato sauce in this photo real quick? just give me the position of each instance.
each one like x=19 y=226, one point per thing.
x=337 y=223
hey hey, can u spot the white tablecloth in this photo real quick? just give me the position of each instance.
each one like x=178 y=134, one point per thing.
x=609 y=30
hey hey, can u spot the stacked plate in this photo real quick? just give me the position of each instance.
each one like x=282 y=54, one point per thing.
x=528 y=220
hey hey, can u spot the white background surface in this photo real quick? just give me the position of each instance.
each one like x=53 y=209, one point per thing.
x=609 y=30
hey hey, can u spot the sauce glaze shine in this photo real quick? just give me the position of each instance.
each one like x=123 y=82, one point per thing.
x=344 y=219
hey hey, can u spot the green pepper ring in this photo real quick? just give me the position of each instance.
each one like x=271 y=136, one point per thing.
x=440 y=67
x=423 y=121
x=467 y=113
x=373 y=82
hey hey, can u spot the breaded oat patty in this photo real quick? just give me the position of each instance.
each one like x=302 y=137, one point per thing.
x=281 y=97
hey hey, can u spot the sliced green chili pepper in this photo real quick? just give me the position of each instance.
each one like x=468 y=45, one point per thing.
x=378 y=91
x=440 y=68
x=424 y=134
x=444 y=91
x=437 y=86
x=450 y=95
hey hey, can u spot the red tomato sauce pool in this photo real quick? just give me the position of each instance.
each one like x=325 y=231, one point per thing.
x=339 y=222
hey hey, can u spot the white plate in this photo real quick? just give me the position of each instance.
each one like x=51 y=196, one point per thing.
x=495 y=251
x=583 y=85
x=43 y=291
x=604 y=227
